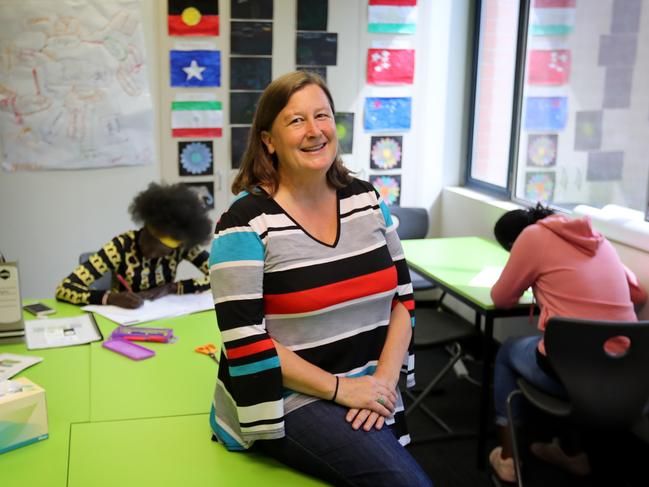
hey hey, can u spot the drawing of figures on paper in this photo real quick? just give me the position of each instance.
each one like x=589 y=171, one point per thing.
x=74 y=91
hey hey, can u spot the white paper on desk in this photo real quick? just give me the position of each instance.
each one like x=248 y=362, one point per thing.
x=11 y=364
x=487 y=277
x=165 y=307
x=61 y=332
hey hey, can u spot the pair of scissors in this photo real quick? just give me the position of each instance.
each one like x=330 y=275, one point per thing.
x=208 y=349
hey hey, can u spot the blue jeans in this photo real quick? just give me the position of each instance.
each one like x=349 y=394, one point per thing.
x=321 y=443
x=517 y=358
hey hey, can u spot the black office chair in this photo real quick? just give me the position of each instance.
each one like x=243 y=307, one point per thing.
x=605 y=391
x=102 y=283
x=436 y=328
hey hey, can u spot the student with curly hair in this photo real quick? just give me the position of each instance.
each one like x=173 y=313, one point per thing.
x=174 y=224
x=574 y=272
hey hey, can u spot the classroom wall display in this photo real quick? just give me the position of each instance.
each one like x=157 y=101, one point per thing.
x=386 y=152
x=539 y=186
x=546 y=113
x=251 y=38
x=74 y=104
x=193 y=17
x=390 y=66
x=195 y=158
x=552 y=17
x=196 y=119
x=239 y=140
x=617 y=87
x=251 y=9
x=548 y=67
x=312 y=14
x=316 y=49
x=389 y=187
x=242 y=106
x=392 y=16
x=588 y=130
x=387 y=114
x=195 y=68
x=205 y=191
x=542 y=150
x=345 y=131
x=319 y=70
x=605 y=166
x=250 y=73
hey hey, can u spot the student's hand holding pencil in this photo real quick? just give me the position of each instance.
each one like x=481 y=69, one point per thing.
x=125 y=299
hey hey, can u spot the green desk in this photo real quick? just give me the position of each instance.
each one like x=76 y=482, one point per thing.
x=451 y=264
x=115 y=421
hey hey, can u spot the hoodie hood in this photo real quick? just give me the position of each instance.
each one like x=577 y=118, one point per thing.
x=578 y=231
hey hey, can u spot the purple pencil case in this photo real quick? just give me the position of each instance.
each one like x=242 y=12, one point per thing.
x=128 y=349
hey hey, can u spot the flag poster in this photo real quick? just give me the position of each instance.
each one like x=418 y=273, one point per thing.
x=196 y=119
x=195 y=69
x=387 y=113
x=390 y=66
x=392 y=16
x=552 y=17
x=546 y=113
x=193 y=17
x=548 y=68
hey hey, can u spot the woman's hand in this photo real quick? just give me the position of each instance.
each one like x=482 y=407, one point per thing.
x=365 y=418
x=367 y=392
x=125 y=299
x=158 y=292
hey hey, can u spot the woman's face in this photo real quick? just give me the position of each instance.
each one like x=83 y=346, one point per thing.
x=303 y=135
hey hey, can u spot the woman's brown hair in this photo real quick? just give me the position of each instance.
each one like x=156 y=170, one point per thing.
x=258 y=167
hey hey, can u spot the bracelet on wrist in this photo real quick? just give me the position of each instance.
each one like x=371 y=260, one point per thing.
x=336 y=389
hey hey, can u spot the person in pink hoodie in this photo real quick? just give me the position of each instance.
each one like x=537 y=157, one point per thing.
x=574 y=272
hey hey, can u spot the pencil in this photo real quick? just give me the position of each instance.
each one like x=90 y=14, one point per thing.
x=124 y=283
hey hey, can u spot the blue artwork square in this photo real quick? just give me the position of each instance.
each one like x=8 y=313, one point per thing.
x=546 y=113
x=387 y=114
x=195 y=69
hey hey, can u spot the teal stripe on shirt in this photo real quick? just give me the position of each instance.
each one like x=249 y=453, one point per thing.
x=236 y=246
x=253 y=368
x=387 y=216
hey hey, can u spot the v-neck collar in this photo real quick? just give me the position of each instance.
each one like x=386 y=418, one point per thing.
x=288 y=215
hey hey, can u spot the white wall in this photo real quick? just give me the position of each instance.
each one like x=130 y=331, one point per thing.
x=49 y=218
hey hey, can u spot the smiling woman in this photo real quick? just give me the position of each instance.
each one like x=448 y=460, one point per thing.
x=313 y=301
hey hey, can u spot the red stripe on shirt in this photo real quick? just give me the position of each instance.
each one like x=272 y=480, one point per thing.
x=250 y=349
x=331 y=294
x=208 y=26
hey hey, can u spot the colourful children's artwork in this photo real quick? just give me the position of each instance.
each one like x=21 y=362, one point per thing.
x=196 y=119
x=588 y=130
x=539 y=186
x=542 y=150
x=389 y=187
x=546 y=113
x=385 y=152
x=387 y=114
x=548 y=67
x=390 y=66
x=552 y=17
x=345 y=131
x=195 y=69
x=193 y=17
x=392 y=16
x=195 y=158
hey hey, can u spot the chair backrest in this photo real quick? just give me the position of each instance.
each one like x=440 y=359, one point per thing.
x=605 y=390
x=413 y=222
x=104 y=282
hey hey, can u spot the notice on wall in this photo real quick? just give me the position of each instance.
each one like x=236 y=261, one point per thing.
x=74 y=91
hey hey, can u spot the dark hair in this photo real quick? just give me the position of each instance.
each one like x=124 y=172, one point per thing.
x=511 y=224
x=258 y=167
x=175 y=211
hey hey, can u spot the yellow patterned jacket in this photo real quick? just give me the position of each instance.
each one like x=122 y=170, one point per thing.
x=122 y=255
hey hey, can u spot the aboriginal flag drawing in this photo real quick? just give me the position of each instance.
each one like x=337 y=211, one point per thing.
x=193 y=17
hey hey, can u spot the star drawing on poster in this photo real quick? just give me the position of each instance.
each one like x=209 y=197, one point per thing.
x=194 y=70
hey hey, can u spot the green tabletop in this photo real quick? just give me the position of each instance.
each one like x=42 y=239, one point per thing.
x=170 y=452
x=454 y=262
x=64 y=374
x=176 y=381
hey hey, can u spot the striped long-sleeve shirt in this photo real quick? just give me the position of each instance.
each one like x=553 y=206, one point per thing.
x=123 y=256
x=330 y=304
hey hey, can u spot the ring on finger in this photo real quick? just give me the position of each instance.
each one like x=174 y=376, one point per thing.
x=381 y=400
